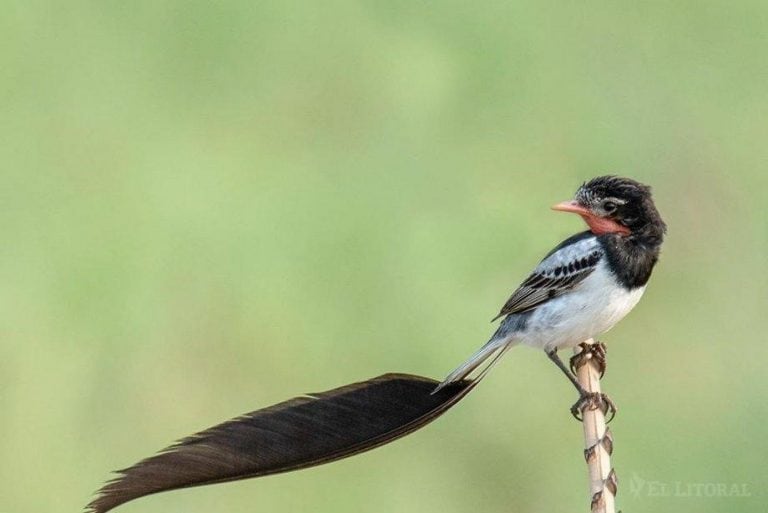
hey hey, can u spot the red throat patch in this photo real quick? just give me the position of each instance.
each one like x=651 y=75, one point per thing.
x=601 y=225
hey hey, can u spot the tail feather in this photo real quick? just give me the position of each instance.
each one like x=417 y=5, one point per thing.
x=299 y=433
x=474 y=361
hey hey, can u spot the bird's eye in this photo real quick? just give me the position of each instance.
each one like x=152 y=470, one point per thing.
x=609 y=206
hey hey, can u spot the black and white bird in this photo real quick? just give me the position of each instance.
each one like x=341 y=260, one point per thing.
x=581 y=289
x=588 y=283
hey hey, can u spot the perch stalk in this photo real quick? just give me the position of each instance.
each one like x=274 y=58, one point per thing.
x=598 y=440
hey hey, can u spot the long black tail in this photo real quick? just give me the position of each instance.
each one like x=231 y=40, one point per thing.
x=299 y=433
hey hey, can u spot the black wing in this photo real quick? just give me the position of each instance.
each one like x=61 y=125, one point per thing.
x=563 y=269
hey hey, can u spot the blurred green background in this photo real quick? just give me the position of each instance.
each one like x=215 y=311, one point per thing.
x=211 y=207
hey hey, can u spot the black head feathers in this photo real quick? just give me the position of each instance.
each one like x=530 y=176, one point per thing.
x=627 y=202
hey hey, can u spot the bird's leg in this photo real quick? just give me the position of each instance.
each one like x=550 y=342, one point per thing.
x=570 y=374
x=593 y=401
x=596 y=351
x=587 y=399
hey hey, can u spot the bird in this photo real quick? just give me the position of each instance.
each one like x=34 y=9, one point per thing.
x=587 y=283
x=581 y=289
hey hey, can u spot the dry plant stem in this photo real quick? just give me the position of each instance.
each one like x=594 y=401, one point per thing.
x=598 y=441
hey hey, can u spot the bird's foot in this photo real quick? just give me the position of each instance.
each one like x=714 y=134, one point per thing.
x=590 y=401
x=596 y=352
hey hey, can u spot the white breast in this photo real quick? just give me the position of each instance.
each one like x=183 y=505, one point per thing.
x=592 y=308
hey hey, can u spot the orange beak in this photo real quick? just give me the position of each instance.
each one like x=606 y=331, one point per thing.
x=572 y=206
x=598 y=225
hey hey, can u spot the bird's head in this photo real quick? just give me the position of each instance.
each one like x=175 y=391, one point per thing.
x=612 y=204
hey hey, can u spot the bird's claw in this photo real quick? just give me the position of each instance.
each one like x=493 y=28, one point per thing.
x=591 y=401
x=596 y=352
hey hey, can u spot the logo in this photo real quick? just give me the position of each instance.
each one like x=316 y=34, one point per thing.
x=640 y=487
